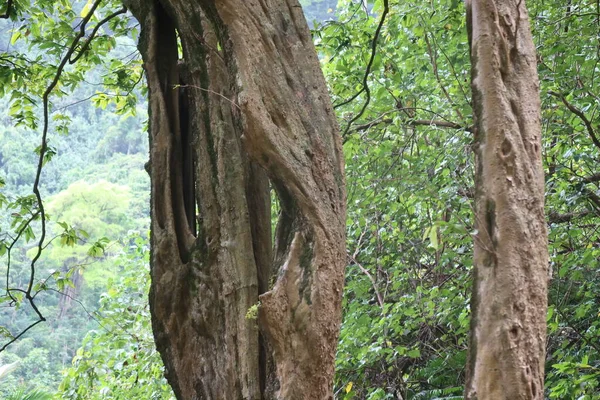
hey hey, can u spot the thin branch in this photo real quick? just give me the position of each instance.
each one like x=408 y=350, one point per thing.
x=593 y=197
x=433 y=58
x=85 y=99
x=43 y=149
x=102 y=93
x=365 y=84
x=414 y=122
x=15 y=338
x=570 y=324
x=209 y=91
x=92 y=316
x=556 y=218
x=81 y=305
x=592 y=178
x=581 y=116
x=570 y=15
x=14 y=65
x=368 y=274
x=9 y=250
x=451 y=65
x=86 y=45
x=343 y=103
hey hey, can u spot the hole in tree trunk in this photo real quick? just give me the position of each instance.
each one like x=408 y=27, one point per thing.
x=187 y=160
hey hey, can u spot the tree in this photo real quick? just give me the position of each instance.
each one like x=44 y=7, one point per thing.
x=408 y=150
x=245 y=105
x=119 y=360
x=508 y=325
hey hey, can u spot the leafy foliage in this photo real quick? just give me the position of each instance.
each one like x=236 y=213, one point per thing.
x=409 y=171
x=30 y=395
x=118 y=360
x=77 y=256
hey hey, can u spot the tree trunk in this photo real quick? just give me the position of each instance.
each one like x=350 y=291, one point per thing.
x=508 y=327
x=246 y=103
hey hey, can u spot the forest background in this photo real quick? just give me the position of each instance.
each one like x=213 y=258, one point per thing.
x=409 y=165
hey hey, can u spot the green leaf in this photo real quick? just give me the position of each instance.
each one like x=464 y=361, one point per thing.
x=414 y=353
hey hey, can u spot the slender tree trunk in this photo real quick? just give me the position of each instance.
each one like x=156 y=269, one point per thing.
x=246 y=103
x=508 y=328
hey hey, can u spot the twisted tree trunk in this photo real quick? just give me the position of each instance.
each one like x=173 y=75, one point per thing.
x=508 y=328
x=242 y=102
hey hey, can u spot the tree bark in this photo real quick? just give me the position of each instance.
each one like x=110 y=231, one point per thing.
x=508 y=327
x=248 y=98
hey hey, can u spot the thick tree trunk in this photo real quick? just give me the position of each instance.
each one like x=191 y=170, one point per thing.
x=508 y=328
x=245 y=104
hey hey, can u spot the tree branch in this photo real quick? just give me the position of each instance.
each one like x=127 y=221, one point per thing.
x=365 y=86
x=86 y=45
x=414 y=122
x=368 y=274
x=43 y=149
x=10 y=248
x=592 y=178
x=24 y=331
x=581 y=116
x=594 y=198
x=556 y=218
x=433 y=59
x=44 y=145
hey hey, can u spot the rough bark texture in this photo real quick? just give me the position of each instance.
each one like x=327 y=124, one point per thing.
x=508 y=328
x=246 y=104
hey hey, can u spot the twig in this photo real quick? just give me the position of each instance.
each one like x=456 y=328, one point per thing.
x=415 y=122
x=82 y=306
x=365 y=83
x=86 y=45
x=36 y=185
x=433 y=59
x=581 y=116
x=209 y=91
x=368 y=274
x=577 y=332
x=85 y=99
x=9 y=250
x=556 y=218
x=592 y=178
x=593 y=197
x=15 y=338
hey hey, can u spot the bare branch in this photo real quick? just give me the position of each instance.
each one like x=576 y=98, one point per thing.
x=594 y=198
x=592 y=178
x=24 y=331
x=12 y=245
x=368 y=274
x=556 y=218
x=414 y=122
x=233 y=103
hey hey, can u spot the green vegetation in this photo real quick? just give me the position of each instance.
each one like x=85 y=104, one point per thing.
x=94 y=187
x=117 y=360
x=409 y=168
